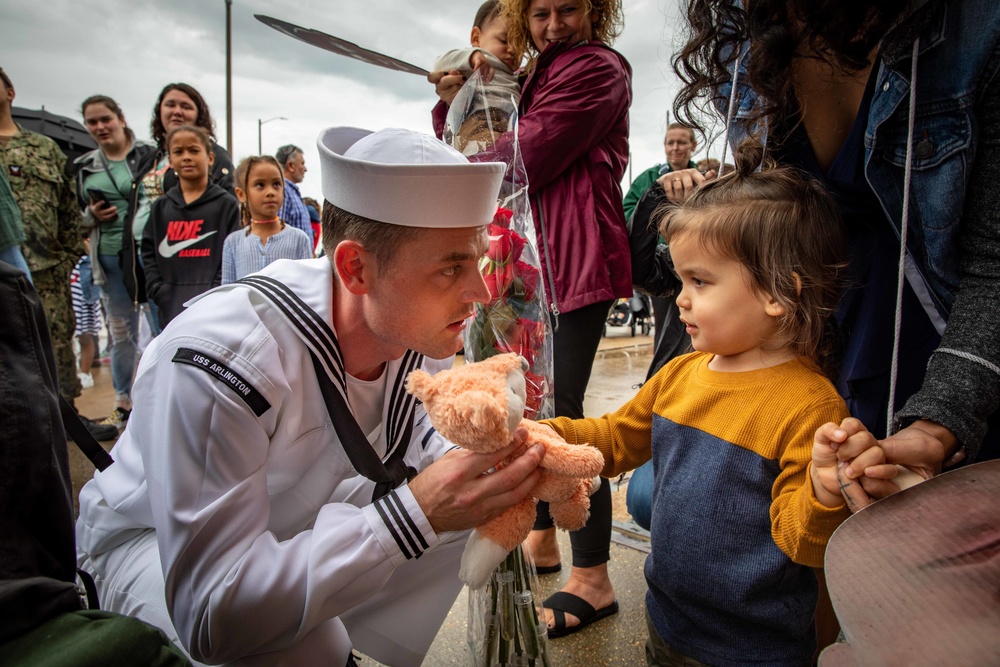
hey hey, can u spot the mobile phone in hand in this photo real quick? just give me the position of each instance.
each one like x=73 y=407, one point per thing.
x=99 y=197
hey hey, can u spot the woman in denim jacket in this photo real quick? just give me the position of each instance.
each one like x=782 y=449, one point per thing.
x=830 y=90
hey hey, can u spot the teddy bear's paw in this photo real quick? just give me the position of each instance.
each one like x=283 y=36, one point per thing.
x=572 y=514
x=480 y=558
x=595 y=484
x=552 y=487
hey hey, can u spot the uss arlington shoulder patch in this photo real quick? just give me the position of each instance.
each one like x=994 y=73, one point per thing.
x=226 y=375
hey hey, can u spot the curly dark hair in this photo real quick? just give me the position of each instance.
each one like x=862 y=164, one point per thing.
x=842 y=33
x=204 y=120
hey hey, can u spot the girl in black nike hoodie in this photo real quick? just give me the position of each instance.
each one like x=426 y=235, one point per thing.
x=188 y=225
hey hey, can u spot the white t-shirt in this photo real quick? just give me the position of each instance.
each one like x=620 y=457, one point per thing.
x=367 y=397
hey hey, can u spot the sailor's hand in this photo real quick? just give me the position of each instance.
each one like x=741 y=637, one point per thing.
x=455 y=494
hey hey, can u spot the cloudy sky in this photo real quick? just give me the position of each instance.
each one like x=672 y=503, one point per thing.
x=58 y=52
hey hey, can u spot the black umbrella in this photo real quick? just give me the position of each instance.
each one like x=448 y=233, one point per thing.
x=72 y=137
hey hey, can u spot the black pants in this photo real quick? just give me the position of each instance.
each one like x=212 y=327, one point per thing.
x=574 y=347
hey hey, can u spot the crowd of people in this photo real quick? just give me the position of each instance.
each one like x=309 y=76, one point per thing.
x=156 y=220
x=825 y=326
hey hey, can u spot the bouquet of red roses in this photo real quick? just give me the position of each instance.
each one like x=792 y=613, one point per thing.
x=514 y=319
x=506 y=626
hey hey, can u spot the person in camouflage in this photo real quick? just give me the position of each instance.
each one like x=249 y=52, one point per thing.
x=53 y=243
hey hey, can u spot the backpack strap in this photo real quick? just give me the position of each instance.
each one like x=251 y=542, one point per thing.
x=82 y=437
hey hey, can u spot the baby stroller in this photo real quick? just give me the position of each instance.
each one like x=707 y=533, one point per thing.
x=632 y=312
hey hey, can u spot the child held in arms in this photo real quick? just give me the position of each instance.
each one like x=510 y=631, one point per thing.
x=491 y=55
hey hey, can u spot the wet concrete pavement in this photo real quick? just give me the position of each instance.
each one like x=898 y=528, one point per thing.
x=620 y=365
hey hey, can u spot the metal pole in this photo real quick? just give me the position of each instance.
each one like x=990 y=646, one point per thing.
x=229 y=77
x=260 y=150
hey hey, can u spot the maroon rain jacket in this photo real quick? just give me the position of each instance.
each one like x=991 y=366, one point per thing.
x=573 y=135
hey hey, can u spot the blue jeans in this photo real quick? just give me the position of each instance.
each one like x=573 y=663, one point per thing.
x=639 y=495
x=15 y=258
x=123 y=320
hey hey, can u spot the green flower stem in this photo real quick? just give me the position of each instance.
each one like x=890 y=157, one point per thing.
x=492 y=627
x=527 y=627
x=507 y=621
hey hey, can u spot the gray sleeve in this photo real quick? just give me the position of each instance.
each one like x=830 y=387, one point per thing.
x=454 y=59
x=962 y=386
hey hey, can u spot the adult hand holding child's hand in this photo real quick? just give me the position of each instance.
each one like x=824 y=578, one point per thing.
x=864 y=467
x=835 y=449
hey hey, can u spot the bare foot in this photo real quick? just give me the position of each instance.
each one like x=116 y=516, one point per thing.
x=590 y=583
x=544 y=547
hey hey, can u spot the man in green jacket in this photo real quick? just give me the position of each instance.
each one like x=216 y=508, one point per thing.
x=679 y=145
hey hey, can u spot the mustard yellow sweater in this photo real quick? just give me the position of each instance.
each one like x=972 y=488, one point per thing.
x=735 y=524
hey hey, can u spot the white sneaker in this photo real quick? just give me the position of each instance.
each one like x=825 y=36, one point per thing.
x=86 y=379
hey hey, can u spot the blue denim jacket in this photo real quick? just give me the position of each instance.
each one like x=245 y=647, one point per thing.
x=957 y=54
x=957 y=101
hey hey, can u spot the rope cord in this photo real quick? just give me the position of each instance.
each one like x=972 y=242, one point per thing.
x=969 y=357
x=907 y=174
x=730 y=112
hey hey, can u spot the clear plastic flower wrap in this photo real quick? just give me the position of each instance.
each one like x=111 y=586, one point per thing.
x=515 y=319
x=506 y=625
x=505 y=622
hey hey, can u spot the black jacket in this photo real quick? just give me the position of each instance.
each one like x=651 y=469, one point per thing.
x=652 y=271
x=182 y=246
x=222 y=175
x=37 y=552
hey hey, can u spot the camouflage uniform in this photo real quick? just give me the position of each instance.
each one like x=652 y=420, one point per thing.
x=35 y=167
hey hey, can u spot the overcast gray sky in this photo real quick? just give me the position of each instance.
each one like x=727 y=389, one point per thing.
x=58 y=52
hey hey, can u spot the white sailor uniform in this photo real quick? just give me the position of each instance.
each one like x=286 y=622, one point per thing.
x=233 y=507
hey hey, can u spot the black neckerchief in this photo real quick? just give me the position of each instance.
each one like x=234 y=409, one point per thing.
x=331 y=376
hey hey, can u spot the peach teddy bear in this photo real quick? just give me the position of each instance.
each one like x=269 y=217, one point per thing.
x=478 y=406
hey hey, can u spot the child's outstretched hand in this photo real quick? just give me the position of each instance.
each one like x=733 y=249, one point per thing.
x=834 y=450
x=482 y=65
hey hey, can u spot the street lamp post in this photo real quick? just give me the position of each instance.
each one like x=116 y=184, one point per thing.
x=261 y=123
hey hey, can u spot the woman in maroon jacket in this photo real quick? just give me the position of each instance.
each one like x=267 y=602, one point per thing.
x=573 y=135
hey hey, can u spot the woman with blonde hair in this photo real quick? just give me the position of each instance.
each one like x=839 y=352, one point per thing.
x=573 y=137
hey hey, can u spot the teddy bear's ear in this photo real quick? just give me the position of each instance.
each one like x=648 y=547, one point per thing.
x=419 y=383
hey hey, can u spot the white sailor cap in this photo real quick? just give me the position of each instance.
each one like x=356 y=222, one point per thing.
x=407 y=178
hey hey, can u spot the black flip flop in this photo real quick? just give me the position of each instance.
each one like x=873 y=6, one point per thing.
x=563 y=602
x=548 y=569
